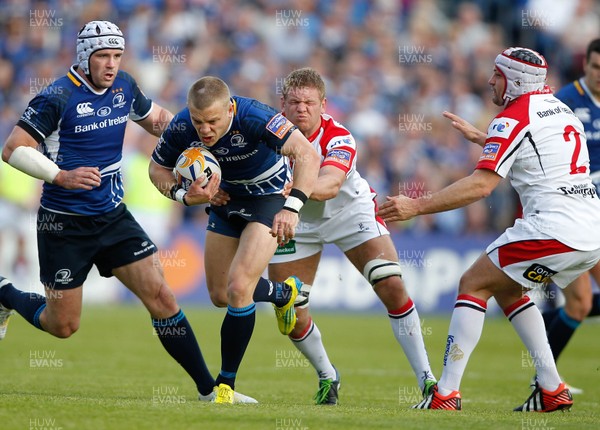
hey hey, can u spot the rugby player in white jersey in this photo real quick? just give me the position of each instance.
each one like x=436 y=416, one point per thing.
x=341 y=210
x=540 y=145
x=583 y=97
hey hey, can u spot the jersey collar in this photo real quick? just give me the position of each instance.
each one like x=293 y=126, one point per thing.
x=317 y=131
x=79 y=81
x=232 y=116
x=588 y=92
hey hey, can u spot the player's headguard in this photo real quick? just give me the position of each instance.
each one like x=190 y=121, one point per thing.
x=523 y=69
x=95 y=36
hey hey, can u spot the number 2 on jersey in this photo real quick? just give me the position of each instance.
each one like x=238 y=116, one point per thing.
x=566 y=135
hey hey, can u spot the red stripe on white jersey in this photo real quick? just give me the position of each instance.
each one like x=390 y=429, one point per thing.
x=504 y=134
x=331 y=137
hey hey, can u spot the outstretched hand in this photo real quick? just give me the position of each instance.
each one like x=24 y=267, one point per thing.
x=468 y=130
x=399 y=208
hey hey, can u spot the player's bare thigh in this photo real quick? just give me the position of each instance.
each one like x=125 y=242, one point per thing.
x=145 y=279
x=377 y=247
x=484 y=280
x=219 y=251
x=255 y=249
x=595 y=272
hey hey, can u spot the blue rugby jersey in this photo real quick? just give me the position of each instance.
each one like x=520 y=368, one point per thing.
x=249 y=153
x=79 y=127
x=577 y=96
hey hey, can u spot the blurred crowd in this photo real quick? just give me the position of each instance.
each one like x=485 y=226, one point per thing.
x=391 y=67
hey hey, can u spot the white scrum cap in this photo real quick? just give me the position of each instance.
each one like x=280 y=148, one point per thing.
x=523 y=69
x=95 y=36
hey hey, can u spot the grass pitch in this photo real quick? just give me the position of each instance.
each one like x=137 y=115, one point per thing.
x=114 y=374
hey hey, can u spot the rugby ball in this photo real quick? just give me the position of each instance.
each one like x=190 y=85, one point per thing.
x=193 y=163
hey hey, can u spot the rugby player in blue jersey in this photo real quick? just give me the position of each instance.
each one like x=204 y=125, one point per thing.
x=251 y=142
x=71 y=136
x=583 y=97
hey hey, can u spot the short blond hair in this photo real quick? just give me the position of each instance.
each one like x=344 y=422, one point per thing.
x=305 y=77
x=206 y=91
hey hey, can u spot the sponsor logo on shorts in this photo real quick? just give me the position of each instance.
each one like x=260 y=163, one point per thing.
x=242 y=212
x=538 y=273
x=279 y=125
x=146 y=246
x=288 y=248
x=63 y=276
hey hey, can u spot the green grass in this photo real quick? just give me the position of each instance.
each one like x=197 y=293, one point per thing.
x=114 y=374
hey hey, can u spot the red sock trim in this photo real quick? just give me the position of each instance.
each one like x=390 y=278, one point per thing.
x=523 y=300
x=409 y=304
x=480 y=302
x=305 y=331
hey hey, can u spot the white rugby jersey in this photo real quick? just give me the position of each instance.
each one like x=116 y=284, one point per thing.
x=540 y=145
x=337 y=147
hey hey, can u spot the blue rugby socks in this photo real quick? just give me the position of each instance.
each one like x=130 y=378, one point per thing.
x=595 y=305
x=177 y=337
x=236 y=332
x=28 y=305
x=549 y=317
x=277 y=293
x=560 y=331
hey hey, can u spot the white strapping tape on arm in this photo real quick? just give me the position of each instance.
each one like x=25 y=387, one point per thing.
x=29 y=160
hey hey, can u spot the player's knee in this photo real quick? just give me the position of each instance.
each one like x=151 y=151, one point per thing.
x=466 y=285
x=379 y=269
x=162 y=304
x=392 y=292
x=64 y=330
x=218 y=298
x=236 y=290
x=578 y=309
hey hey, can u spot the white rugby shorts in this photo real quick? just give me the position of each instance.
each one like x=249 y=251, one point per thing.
x=532 y=258
x=350 y=227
